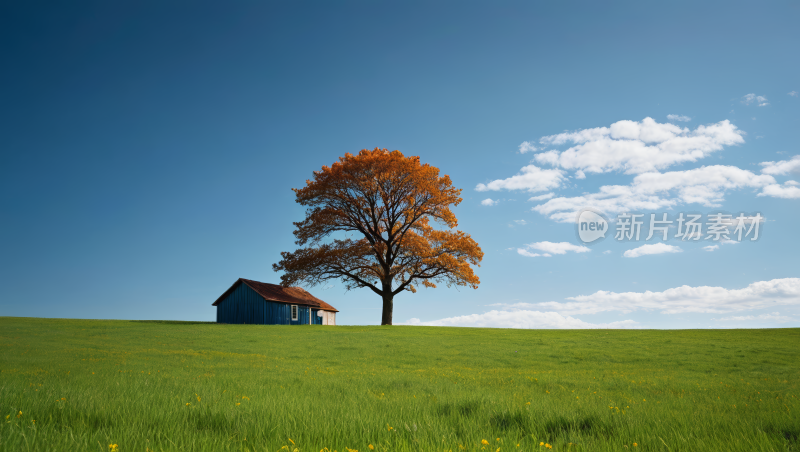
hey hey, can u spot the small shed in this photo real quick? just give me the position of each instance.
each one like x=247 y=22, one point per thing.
x=261 y=303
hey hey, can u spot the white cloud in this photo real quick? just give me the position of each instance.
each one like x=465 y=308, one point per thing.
x=527 y=146
x=552 y=248
x=541 y=197
x=711 y=247
x=548 y=158
x=521 y=319
x=611 y=200
x=782 y=167
x=656 y=248
x=580 y=175
x=748 y=99
x=680 y=118
x=521 y=222
x=607 y=252
x=489 y=202
x=706 y=185
x=773 y=317
x=531 y=178
x=786 y=191
x=790 y=188
x=702 y=299
x=527 y=253
x=637 y=147
x=792 y=93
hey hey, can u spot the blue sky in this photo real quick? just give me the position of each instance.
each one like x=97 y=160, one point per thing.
x=148 y=151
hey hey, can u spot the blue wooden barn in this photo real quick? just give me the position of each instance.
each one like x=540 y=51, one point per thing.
x=261 y=303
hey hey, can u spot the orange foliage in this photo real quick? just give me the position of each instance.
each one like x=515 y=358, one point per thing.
x=388 y=201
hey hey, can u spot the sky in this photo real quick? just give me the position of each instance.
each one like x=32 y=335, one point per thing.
x=148 y=150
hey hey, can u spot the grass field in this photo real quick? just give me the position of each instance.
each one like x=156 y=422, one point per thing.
x=87 y=385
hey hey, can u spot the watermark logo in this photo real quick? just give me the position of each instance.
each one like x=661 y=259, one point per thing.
x=591 y=225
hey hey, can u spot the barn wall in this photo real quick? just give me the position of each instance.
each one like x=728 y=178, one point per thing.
x=315 y=319
x=302 y=315
x=328 y=318
x=243 y=305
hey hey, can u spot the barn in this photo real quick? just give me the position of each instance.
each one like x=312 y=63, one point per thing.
x=261 y=303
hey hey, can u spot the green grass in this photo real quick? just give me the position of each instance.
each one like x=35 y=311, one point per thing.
x=90 y=383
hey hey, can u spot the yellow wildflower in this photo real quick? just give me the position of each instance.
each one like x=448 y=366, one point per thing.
x=371 y=447
x=542 y=443
x=237 y=403
x=187 y=403
x=113 y=447
x=635 y=445
x=20 y=414
x=484 y=442
x=388 y=429
x=548 y=446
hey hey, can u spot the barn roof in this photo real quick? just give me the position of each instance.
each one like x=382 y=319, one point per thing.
x=274 y=292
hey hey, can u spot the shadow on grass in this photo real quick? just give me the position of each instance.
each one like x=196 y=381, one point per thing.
x=589 y=425
x=789 y=433
x=461 y=409
x=68 y=420
x=212 y=421
x=511 y=420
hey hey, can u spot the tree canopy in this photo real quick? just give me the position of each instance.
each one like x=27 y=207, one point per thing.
x=369 y=223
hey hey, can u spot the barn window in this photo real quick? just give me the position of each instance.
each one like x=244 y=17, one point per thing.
x=294 y=312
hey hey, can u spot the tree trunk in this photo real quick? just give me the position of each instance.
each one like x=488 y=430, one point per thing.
x=388 y=306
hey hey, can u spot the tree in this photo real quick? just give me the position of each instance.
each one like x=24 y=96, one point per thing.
x=376 y=209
